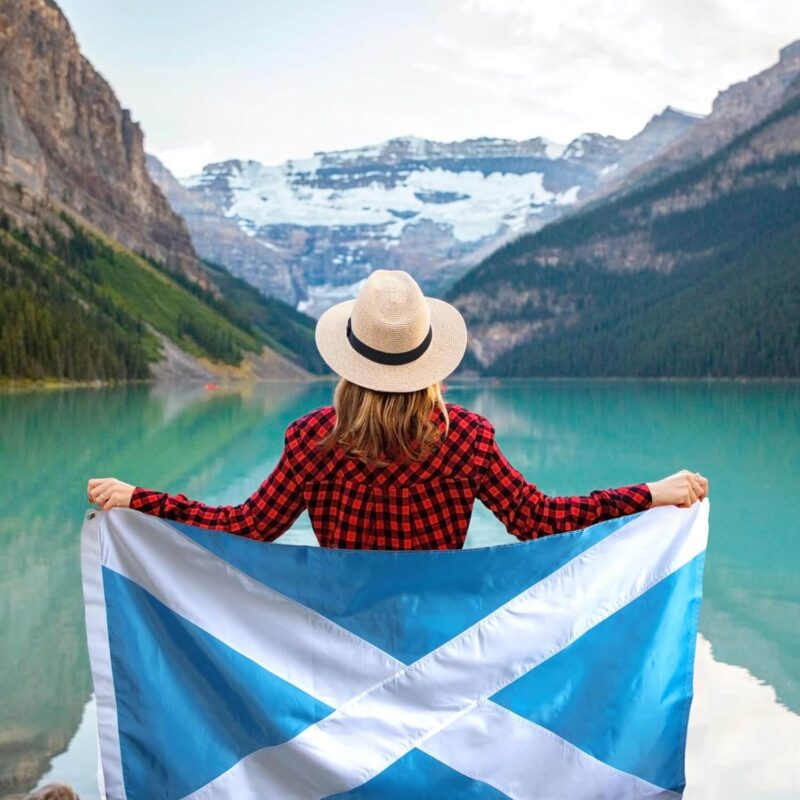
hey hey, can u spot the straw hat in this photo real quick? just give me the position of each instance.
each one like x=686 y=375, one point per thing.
x=392 y=338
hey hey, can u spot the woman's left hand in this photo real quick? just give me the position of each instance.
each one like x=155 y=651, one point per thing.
x=109 y=493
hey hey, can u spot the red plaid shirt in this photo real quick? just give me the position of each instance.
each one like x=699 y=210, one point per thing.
x=403 y=506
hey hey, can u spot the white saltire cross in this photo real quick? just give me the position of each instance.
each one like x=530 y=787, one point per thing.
x=439 y=704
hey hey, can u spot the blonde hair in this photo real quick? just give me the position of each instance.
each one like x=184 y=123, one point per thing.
x=380 y=427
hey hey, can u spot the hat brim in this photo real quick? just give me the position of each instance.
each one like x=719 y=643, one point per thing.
x=444 y=354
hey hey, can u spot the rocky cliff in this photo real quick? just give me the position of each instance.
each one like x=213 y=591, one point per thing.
x=310 y=230
x=66 y=141
x=99 y=279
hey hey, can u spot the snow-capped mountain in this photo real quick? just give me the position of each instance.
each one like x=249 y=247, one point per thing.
x=310 y=230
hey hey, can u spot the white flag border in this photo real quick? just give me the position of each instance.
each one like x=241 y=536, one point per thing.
x=109 y=769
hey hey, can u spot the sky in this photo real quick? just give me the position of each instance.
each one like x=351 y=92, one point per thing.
x=210 y=80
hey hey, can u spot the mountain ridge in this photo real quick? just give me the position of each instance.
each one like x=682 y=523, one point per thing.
x=590 y=269
x=315 y=227
x=733 y=111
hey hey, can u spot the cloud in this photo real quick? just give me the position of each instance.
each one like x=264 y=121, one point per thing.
x=188 y=160
x=305 y=76
x=611 y=65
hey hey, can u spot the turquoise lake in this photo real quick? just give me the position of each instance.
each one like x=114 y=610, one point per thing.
x=569 y=437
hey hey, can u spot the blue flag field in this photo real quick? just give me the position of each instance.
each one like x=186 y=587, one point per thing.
x=230 y=668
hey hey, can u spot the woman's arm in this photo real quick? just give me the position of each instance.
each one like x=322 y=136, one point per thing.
x=527 y=513
x=265 y=515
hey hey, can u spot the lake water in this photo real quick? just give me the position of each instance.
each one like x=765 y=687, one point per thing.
x=568 y=437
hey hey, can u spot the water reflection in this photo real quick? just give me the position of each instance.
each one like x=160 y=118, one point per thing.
x=742 y=744
x=77 y=765
x=567 y=436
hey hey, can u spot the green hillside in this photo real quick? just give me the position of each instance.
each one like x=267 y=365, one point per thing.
x=283 y=328
x=75 y=306
x=733 y=315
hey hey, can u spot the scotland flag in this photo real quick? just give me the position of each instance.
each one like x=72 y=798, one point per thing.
x=557 y=668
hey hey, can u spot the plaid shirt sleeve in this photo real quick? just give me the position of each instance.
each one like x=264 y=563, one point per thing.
x=265 y=515
x=527 y=513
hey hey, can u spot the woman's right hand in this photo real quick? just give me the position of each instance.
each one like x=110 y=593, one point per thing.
x=681 y=489
x=109 y=492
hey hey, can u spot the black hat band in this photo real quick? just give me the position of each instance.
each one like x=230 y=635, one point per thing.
x=382 y=357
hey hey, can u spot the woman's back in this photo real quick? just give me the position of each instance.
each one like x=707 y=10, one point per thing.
x=403 y=505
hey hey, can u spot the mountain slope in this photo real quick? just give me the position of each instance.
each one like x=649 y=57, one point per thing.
x=310 y=230
x=286 y=331
x=74 y=305
x=66 y=139
x=735 y=110
x=592 y=293
x=128 y=298
x=724 y=317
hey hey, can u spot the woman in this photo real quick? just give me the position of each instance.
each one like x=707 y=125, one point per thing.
x=391 y=465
